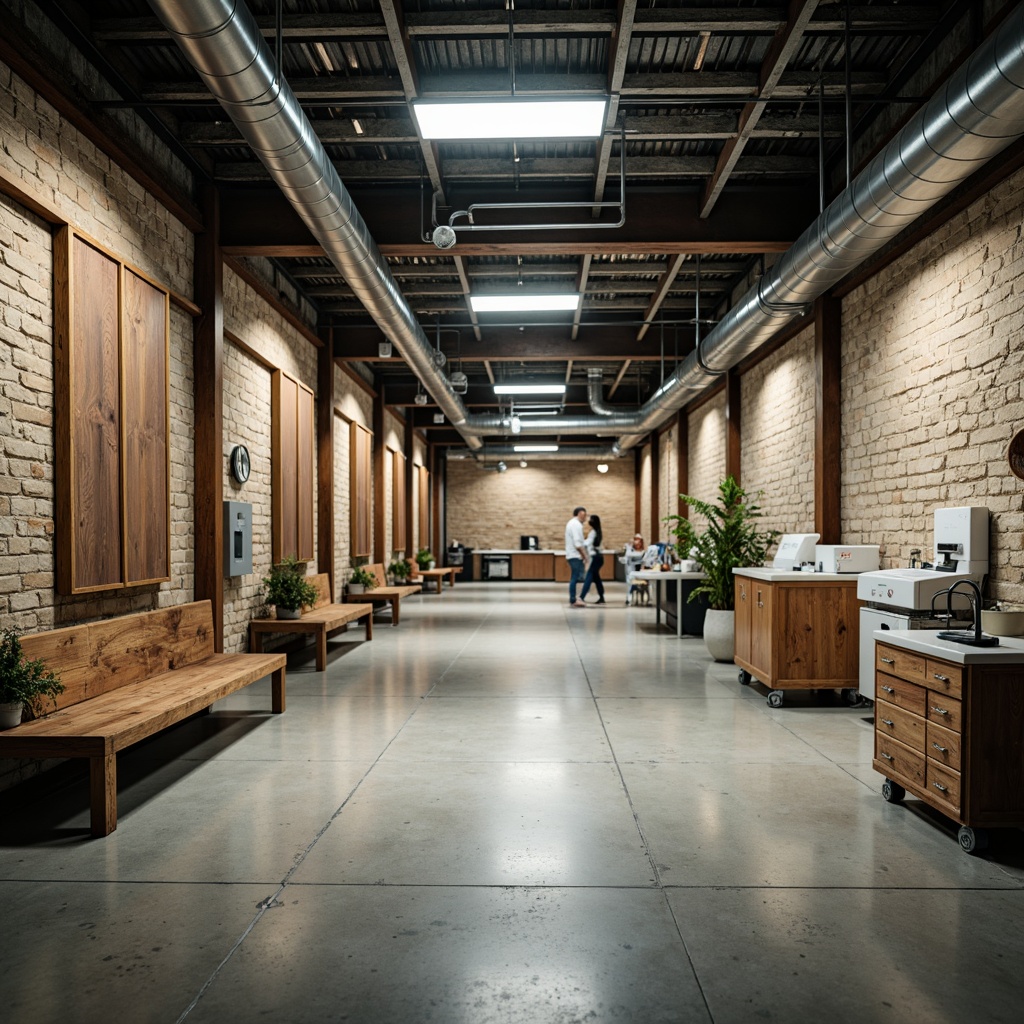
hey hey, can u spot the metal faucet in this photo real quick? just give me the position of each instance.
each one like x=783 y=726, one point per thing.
x=960 y=636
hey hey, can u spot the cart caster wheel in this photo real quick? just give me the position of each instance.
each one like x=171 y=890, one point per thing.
x=775 y=699
x=851 y=697
x=893 y=792
x=744 y=677
x=972 y=840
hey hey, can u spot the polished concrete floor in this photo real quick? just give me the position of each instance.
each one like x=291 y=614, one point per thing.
x=505 y=810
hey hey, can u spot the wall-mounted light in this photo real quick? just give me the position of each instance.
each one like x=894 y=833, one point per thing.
x=602 y=467
x=529 y=389
x=384 y=349
x=567 y=302
x=511 y=118
x=523 y=463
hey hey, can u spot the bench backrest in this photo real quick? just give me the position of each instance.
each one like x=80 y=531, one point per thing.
x=378 y=573
x=322 y=583
x=103 y=656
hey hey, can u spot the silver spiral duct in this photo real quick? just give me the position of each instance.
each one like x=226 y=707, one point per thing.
x=224 y=44
x=974 y=117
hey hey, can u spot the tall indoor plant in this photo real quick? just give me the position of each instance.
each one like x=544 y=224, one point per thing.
x=731 y=539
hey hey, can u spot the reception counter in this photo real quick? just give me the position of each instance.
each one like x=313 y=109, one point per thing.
x=544 y=565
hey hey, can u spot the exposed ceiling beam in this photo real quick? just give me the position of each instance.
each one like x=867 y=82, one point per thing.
x=460 y=267
x=581 y=288
x=661 y=292
x=617 y=57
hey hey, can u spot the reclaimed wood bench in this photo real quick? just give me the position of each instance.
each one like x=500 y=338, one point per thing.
x=438 y=574
x=126 y=679
x=382 y=592
x=322 y=619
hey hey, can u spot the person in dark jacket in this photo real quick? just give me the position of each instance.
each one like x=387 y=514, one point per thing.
x=594 y=539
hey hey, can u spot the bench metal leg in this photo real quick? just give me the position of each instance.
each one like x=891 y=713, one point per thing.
x=277 y=691
x=103 y=794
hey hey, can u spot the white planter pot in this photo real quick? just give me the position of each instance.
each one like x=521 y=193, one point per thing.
x=288 y=613
x=431 y=565
x=357 y=588
x=10 y=715
x=720 y=634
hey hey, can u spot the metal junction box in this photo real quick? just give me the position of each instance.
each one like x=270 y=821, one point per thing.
x=237 y=538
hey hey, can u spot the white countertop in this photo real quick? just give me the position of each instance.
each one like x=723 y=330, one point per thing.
x=925 y=641
x=669 y=574
x=770 y=575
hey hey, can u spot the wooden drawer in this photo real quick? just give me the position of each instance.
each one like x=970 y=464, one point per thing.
x=942 y=745
x=901 y=693
x=943 y=711
x=899 y=760
x=944 y=677
x=904 y=664
x=944 y=787
x=901 y=725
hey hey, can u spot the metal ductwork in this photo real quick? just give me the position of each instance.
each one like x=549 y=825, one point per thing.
x=976 y=115
x=224 y=44
x=597 y=453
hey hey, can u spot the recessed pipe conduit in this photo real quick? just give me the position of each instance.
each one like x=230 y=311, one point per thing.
x=978 y=113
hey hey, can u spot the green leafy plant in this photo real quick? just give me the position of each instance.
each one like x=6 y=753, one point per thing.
x=23 y=681
x=361 y=578
x=286 y=586
x=730 y=540
x=424 y=558
x=401 y=569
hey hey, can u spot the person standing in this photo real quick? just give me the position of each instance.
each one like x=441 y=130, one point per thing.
x=576 y=553
x=594 y=539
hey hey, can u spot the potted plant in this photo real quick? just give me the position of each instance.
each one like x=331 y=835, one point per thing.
x=424 y=559
x=730 y=540
x=400 y=570
x=360 y=581
x=24 y=684
x=286 y=588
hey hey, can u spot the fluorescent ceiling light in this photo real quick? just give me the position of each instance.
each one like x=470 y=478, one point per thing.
x=529 y=389
x=511 y=119
x=535 y=448
x=519 y=303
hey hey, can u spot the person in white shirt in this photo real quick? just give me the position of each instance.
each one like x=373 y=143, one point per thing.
x=576 y=553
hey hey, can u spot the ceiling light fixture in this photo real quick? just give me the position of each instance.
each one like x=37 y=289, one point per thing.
x=511 y=119
x=357 y=126
x=529 y=389
x=568 y=302
x=535 y=448
x=602 y=467
x=517 y=425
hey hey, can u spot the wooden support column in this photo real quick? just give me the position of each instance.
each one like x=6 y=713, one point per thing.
x=325 y=459
x=638 y=466
x=732 y=425
x=409 y=447
x=827 y=419
x=682 y=460
x=438 y=483
x=208 y=424
x=380 y=505
x=655 y=486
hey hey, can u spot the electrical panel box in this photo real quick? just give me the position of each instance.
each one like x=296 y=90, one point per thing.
x=237 y=538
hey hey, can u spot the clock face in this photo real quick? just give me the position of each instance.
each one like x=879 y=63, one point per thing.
x=240 y=465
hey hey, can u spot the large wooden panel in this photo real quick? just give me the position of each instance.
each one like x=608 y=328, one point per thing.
x=305 y=463
x=284 y=399
x=146 y=430
x=95 y=371
x=360 y=452
x=398 y=503
x=423 y=483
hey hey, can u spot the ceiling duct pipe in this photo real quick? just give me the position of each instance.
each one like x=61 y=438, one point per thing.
x=595 y=392
x=224 y=44
x=973 y=118
x=507 y=451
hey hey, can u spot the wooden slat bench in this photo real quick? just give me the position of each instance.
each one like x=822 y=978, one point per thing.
x=382 y=592
x=438 y=574
x=323 y=618
x=126 y=679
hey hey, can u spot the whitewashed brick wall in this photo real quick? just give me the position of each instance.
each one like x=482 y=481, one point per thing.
x=777 y=435
x=644 y=483
x=707 y=452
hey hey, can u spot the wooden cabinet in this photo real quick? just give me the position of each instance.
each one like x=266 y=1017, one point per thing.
x=953 y=736
x=533 y=565
x=797 y=634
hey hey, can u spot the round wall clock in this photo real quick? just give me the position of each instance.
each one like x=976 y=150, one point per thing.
x=240 y=464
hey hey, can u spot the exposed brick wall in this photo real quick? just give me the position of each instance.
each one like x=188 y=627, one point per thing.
x=706 y=451
x=931 y=388
x=644 y=483
x=492 y=510
x=668 y=477
x=777 y=435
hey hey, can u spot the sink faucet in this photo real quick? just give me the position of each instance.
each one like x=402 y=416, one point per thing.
x=974 y=597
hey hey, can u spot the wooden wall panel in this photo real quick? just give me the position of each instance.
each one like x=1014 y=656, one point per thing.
x=361 y=454
x=305 y=473
x=423 y=533
x=398 y=503
x=146 y=420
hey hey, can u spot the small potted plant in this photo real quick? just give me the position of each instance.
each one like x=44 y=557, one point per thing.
x=400 y=570
x=286 y=588
x=424 y=559
x=360 y=581
x=24 y=684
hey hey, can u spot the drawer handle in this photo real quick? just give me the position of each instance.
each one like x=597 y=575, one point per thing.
x=887 y=661
x=939 y=746
x=939 y=786
x=888 y=689
x=888 y=757
x=941 y=678
x=887 y=721
x=940 y=711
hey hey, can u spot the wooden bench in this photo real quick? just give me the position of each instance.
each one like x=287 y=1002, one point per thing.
x=126 y=679
x=322 y=619
x=382 y=592
x=438 y=574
